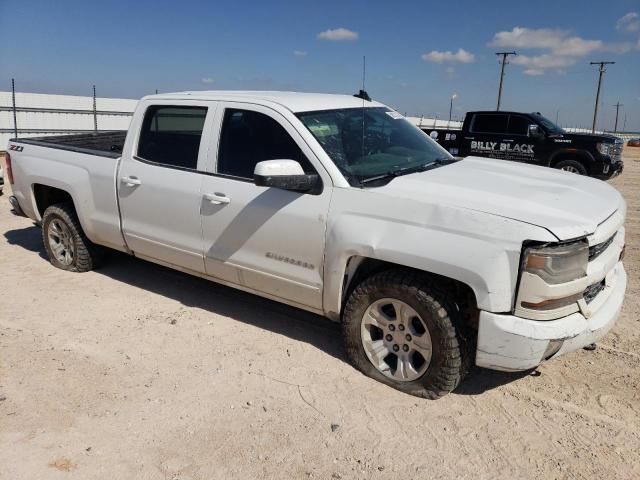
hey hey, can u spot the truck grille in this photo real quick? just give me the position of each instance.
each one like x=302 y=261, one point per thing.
x=596 y=250
x=592 y=291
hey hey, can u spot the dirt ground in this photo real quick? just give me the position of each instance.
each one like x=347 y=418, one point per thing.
x=137 y=371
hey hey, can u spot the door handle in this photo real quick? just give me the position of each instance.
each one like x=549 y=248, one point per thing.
x=217 y=198
x=131 y=181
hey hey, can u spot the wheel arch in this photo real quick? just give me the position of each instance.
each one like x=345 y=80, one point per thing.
x=358 y=268
x=45 y=195
x=582 y=156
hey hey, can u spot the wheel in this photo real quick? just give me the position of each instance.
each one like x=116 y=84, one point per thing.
x=399 y=327
x=64 y=240
x=572 y=166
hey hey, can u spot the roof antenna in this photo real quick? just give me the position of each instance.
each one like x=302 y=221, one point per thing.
x=363 y=93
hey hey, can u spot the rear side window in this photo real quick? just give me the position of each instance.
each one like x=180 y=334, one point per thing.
x=518 y=125
x=250 y=137
x=171 y=135
x=489 y=123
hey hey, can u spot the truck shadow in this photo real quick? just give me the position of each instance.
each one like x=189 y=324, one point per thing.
x=29 y=238
x=244 y=307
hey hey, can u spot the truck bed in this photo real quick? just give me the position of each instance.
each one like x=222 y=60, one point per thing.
x=107 y=144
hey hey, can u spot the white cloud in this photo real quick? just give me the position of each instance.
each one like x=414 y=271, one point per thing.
x=537 y=64
x=521 y=37
x=557 y=41
x=300 y=53
x=629 y=22
x=461 y=56
x=207 y=80
x=338 y=34
x=558 y=49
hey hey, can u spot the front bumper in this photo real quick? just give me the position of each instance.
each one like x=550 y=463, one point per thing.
x=611 y=170
x=510 y=343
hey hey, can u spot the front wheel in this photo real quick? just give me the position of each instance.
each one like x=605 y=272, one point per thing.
x=572 y=166
x=400 y=328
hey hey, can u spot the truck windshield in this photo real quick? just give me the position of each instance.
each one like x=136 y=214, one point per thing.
x=548 y=124
x=373 y=143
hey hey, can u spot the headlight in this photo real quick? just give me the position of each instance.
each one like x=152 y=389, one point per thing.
x=552 y=280
x=603 y=148
x=559 y=264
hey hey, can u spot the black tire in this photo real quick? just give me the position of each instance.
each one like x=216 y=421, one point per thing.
x=574 y=166
x=87 y=255
x=450 y=358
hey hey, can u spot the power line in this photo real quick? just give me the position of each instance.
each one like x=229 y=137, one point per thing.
x=504 y=62
x=595 y=110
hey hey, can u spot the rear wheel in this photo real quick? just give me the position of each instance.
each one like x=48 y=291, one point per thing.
x=400 y=328
x=64 y=240
x=572 y=166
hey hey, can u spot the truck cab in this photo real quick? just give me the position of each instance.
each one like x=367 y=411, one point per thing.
x=532 y=138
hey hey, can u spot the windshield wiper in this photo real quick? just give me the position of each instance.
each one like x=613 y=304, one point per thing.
x=408 y=170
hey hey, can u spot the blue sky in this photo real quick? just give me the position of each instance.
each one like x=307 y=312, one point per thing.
x=418 y=52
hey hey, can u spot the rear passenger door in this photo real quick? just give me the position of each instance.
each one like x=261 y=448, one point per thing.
x=159 y=185
x=486 y=134
x=267 y=239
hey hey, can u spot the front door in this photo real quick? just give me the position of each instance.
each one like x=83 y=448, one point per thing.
x=521 y=147
x=267 y=239
x=159 y=186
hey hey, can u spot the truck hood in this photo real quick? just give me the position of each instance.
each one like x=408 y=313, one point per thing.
x=566 y=204
x=588 y=137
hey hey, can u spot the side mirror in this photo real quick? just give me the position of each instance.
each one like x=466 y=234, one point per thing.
x=284 y=174
x=534 y=131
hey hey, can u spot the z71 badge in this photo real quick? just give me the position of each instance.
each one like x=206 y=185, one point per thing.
x=16 y=148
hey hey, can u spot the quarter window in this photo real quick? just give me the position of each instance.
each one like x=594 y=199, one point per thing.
x=490 y=123
x=171 y=135
x=250 y=137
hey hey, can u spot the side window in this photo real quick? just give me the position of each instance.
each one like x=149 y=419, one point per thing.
x=518 y=125
x=171 y=135
x=489 y=123
x=250 y=137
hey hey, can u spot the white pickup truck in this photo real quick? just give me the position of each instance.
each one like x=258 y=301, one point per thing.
x=339 y=206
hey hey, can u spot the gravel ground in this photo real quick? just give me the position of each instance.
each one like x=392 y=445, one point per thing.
x=137 y=371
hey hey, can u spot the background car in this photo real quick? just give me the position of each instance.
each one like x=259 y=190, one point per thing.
x=634 y=142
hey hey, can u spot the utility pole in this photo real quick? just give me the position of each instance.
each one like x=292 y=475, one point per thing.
x=617 y=105
x=95 y=111
x=504 y=61
x=452 y=98
x=13 y=103
x=595 y=110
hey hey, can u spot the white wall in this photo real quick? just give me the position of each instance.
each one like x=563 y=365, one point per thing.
x=433 y=123
x=61 y=121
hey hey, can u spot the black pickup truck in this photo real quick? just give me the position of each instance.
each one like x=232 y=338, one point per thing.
x=532 y=138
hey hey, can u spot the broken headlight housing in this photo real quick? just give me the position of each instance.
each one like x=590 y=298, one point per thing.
x=552 y=280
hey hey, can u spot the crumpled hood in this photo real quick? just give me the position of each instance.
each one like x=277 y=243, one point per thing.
x=566 y=204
